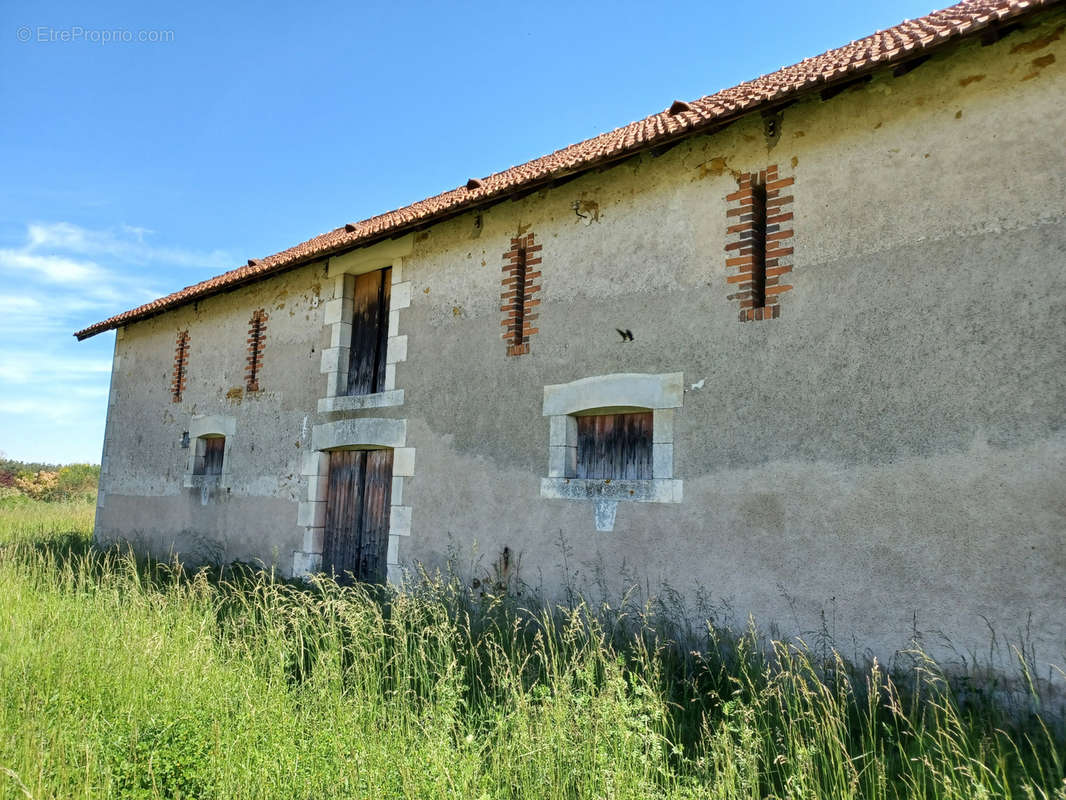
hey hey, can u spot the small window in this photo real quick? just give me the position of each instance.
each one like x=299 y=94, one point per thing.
x=370 y=332
x=611 y=439
x=615 y=446
x=209 y=454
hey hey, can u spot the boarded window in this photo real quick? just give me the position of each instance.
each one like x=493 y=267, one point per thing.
x=370 y=332
x=209 y=453
x=357 y=515
x=616 y=446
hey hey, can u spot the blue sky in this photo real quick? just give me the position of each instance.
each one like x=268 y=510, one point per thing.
x=130 y=169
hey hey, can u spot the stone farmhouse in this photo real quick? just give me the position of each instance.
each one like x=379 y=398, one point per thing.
x=796 y=348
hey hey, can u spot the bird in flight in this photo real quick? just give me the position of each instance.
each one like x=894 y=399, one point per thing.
x=627 y=335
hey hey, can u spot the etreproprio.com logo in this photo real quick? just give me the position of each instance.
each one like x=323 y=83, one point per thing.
x=47 y=34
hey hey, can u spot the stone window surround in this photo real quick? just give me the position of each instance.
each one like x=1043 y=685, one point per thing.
x=614 y=393
x=361 y=433
x=337 y=316
x=210 y=425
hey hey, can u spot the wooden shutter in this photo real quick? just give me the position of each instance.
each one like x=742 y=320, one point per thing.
x=357 y=514
x=208 y=457
x=616 y=446
x=214 y=448
x=370 y=332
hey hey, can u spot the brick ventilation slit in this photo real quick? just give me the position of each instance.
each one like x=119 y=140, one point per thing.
x=759 y=243
x=181 y=359
x=518 y=301
x=519 y=297
x=256 y=345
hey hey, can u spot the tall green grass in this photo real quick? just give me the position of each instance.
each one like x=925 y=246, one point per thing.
x=125 y=679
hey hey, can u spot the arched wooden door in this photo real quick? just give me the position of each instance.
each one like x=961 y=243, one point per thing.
x=357 y=515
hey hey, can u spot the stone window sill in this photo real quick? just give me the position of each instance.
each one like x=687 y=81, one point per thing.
x=359 y=402
x=655 y=490
x=210 y=481
x=607 y=494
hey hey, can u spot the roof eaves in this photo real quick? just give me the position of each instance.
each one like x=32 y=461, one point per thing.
x=709 y=114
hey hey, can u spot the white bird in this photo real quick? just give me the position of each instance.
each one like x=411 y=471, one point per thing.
x=697 y=385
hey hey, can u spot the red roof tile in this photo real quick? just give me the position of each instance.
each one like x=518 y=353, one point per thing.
x=893 y=45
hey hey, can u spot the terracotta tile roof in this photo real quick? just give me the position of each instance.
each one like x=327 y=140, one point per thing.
x=900 y=43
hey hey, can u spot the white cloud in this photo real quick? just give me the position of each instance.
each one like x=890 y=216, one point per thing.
x=126 y=243
x=57 y=269
x=57 y=278
x=41 y=366
x=60 y=255
x=16 y=304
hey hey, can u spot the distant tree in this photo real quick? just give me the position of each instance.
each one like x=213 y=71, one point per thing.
x=78 y=480
x=50 y=482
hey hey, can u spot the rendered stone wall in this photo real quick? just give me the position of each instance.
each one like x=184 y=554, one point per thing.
x=887 y=454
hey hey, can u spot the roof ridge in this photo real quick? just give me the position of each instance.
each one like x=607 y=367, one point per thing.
x=884 y=47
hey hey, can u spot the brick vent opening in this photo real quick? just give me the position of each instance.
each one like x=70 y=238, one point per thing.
x=181 y=363
x=256 y=345
x=518 y=290
x=759 y=243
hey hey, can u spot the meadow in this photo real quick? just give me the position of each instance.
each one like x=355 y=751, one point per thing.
x=121 y=678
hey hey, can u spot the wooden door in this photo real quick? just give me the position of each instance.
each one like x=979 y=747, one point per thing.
x=370 y=332
x=357 y=515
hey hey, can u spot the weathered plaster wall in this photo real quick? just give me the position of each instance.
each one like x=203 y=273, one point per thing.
x=143 y=496
x=891 y=447
x=890 y=452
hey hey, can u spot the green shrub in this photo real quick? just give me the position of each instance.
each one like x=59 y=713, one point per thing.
x=170 y=759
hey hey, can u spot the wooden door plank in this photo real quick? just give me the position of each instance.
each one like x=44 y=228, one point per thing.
x=354 y=518
x=342 y=512
x=376 y=506
x=382 y=343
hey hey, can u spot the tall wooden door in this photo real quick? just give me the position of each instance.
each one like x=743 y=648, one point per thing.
x=357 y=515
x=370 y=332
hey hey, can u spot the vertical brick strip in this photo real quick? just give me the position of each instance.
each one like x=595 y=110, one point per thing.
x=759 y=243
x=181 y=363
x=256 y=345
x=517 y=300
